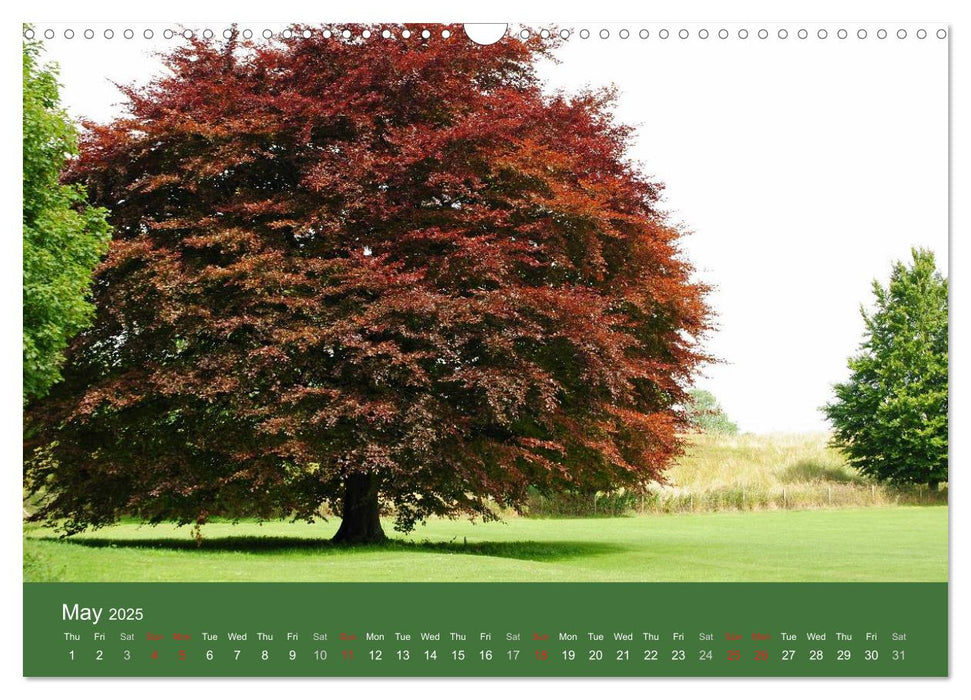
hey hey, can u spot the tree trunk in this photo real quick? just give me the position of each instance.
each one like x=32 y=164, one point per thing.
x=360 y=520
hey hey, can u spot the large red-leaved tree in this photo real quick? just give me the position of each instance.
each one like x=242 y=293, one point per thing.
x=377 y=274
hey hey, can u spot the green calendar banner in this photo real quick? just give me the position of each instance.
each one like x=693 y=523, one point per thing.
x=487 y=629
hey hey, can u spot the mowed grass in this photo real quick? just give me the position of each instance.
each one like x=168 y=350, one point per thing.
x=850 y=544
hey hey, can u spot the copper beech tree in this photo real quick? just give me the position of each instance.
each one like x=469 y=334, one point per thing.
x=386 y=275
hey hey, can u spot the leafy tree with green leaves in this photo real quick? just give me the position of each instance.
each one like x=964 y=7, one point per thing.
x=890 y=417
x=706 y=414
x=63 y=237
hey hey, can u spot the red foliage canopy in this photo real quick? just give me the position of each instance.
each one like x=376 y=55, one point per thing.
x=372 y=269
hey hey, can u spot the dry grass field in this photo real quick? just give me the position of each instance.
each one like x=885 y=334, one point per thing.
x=748 y=472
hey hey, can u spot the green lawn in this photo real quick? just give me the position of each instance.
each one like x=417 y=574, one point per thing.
x=869 y=544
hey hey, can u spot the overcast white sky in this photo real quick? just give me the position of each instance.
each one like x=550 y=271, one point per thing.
x=804 y=167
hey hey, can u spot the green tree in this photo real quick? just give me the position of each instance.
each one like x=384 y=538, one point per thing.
x=63 y=237
x=706 y=414
x=890 y=417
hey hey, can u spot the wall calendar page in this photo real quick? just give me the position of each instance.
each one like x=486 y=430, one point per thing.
x=520 y=350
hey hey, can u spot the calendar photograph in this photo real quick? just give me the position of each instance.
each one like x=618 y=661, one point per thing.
x=375 y=320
